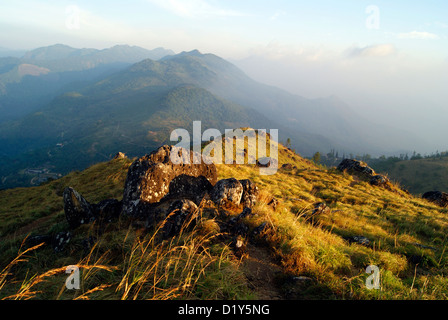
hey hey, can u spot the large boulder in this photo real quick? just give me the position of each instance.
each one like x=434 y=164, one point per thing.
x=154 y=178
x=356 y=167
x=227 y=191
x=78 y=210
x=362 y=170
x=437 y=197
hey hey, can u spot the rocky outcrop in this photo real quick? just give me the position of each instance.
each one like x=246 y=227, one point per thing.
x=227 y=191
x=156 y=190
x=119 y=155
x=437 y=197
x=356 y=167
x=154 y=178
x=362 y=170
x=78 y=210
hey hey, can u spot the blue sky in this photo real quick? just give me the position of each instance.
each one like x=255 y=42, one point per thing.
x=230 y=28
x=386 y=59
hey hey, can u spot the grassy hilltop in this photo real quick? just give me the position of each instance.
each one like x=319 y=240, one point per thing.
x=298 y=256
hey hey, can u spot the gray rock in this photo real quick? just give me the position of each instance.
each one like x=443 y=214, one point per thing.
x=119 y=155
x=227 y=191
x=356 y=167
x=77 y=210
x=154 y=178
x=61 y=240
x=250 y=193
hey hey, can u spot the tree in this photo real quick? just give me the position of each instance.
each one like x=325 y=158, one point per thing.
x=316 y=157
x=288 y=143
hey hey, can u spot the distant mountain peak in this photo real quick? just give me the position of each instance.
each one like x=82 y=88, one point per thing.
x=194 y=52
x=52 y=52
x=125 y=52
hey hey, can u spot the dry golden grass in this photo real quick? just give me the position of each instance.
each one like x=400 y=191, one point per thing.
x=188 y=266
x=196 y=264
x=393 y=220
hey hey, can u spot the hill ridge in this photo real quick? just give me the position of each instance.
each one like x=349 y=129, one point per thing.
x=321 y=232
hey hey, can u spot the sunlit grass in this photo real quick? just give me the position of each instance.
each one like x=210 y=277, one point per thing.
x=130 y=264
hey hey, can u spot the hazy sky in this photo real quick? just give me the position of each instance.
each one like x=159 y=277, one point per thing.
x=386 y=59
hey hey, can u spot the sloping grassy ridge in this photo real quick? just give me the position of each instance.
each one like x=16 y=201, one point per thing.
x=123 y=261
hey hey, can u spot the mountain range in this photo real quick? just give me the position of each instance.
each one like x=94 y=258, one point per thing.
x=29 y=82
x=65 y=108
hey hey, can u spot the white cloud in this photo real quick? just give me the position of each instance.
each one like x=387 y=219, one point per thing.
x=277 y=15
x=276 y=51
x=441 y=24
x=194 y=8
x=418 y=35
x=381 y=50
